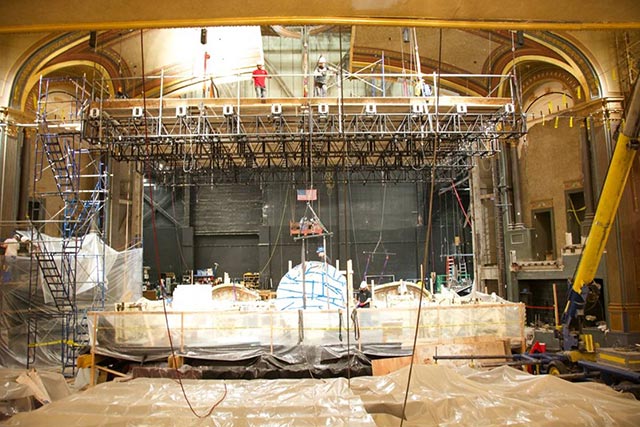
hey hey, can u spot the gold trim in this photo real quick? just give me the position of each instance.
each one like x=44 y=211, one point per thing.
x=325 y=20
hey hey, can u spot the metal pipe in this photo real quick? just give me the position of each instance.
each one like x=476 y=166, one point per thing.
x=470 y=356
x=515 y=183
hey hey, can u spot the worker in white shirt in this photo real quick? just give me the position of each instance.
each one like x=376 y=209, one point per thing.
x=11 y=246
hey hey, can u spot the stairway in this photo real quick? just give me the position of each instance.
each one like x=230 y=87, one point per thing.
x=53 y=278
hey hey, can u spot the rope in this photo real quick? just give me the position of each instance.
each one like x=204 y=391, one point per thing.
x=156 y=247
x=426 y=250
x=466 y=217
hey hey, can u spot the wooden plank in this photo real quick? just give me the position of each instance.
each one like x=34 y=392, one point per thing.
x=381 y=367
x=425 y=353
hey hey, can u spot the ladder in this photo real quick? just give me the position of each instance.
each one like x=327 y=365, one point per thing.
x=462 y=270
x=451 y=269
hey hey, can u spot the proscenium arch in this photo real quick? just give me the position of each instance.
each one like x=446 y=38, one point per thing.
x=37 y=61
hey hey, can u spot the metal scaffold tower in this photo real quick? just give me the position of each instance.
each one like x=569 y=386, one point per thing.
x=73 y=176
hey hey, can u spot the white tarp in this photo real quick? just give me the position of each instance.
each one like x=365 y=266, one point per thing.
x=442 y=396
x=439 y=396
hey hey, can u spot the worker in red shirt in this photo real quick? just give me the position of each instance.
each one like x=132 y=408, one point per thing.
x=259 y=80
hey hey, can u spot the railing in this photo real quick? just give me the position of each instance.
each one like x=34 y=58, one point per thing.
x=343 y=84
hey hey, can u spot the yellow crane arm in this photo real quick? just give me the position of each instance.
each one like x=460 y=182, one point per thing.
x=614 y=184
x=612 y=190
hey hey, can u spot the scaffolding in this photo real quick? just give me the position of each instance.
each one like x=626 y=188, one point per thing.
x=193 y=141
x=80 y=178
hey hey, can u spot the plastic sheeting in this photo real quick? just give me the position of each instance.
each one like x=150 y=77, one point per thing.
x=159 y=402
x=16 y=397
x=439 y=396
x=238 y=334
x=122 y=282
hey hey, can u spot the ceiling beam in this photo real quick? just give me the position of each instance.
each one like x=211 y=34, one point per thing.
x=69 y=15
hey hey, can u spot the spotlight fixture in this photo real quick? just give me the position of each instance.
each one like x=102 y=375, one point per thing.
x=227 y=110
x=323 y=109
x=370 y=109
x=181 y=111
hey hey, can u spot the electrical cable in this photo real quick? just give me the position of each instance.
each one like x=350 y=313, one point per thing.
x=575 y=211
x=426 y=251
x=284 y=208
x=347 y=189
x=371 y=255
x=156 y=246
x=353 y=227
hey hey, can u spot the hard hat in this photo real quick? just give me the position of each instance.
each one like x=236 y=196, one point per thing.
x=260 y=63
x=363 y=284
x=320 y=249
x=321 y=60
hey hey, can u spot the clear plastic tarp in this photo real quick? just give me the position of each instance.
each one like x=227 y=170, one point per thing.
x=22 y=391
x=438 y=396
x=243 y=403
x=104 y=277
x=442 y=396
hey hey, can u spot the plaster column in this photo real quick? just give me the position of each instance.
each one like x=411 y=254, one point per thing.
x=587 y=185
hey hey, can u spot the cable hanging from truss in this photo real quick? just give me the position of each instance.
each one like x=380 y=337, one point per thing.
x=372 y=254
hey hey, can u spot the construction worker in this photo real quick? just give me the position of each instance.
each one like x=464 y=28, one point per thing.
x=259 y=80
x=364 y=296
x=320 y=75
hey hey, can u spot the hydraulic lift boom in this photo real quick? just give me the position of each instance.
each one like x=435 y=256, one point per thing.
x=614 y=184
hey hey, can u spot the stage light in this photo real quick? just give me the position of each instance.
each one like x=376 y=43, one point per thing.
x=181 y=111
x=370 y=109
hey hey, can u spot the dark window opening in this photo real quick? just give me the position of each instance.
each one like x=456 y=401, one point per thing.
x=543 y=239
x=575 y=215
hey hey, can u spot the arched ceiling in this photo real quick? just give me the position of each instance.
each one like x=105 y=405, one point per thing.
x=539 y=57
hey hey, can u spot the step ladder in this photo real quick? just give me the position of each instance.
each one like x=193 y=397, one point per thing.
x=462 y=270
